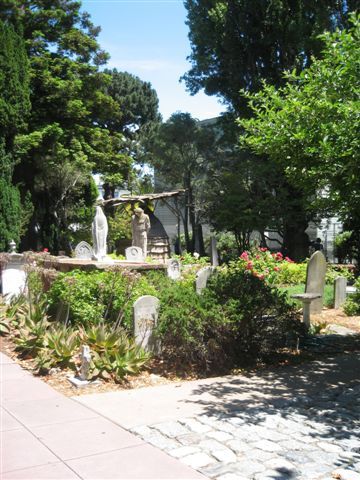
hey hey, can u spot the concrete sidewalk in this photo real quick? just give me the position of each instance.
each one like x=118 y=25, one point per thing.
x=45 y=435
x=281 y=423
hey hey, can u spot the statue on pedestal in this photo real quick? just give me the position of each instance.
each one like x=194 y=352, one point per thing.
x=140 y=225
x=99 y=233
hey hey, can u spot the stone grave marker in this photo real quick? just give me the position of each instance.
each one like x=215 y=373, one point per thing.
x=315 y=280
x=339 y=291
x=134 y=254
x=146 y=312
x=202 y=278
x=214 y=256
x=84 y=251
x=173 y=269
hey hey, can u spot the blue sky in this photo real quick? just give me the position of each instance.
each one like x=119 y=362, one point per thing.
x=149 y=39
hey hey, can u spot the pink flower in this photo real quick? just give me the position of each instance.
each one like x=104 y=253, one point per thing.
x=45 y=250
x=289 y=260
x=249 y=265
x=257 y=257
x=279 y=255
x=276 y=269
x=244 y=256
x=263 y=249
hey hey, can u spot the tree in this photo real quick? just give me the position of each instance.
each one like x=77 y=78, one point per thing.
x=65 y=139
x=311 y=126
x=238 y=43
x=14 y=109
x=178 y=152
x=136 y=113
x=253 y=198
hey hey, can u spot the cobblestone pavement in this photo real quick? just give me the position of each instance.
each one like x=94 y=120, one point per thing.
x=305 y=438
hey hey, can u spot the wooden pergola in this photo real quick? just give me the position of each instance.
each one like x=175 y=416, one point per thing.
x=123 y=199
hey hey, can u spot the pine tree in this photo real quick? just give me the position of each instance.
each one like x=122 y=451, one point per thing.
x=14 y=109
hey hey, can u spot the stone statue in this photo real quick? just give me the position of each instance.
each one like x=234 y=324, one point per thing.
x=85 y=362
x=99 y=233
x=140 y=225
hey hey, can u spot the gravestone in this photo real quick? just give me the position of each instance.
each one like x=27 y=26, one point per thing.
x=214 y=256
x=202 y=278
x=339 y=291
x=146 y=312
x=315 y=280
x=134 y=254
x=84 y=251
x=173 y=269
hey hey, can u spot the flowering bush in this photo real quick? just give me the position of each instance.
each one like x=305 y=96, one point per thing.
x=263 y=264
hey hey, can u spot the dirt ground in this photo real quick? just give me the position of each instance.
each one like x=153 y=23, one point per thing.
x=337 y=317
x=58 y=378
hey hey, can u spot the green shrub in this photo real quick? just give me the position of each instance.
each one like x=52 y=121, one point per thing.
x=237 y=318
x=291 y=273
x=94 y=297
x=333 y=271
x=182 y=320
x=352 y=304
x=227 y=246
x=259 y=319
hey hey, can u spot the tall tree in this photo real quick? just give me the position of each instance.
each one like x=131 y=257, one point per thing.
x=14 y=110
x=238 y=43
x=136 y=114
x=178 y=152
x=65 y=139
x=311 y=127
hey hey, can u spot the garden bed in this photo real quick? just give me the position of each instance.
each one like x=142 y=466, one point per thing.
x=159 y=373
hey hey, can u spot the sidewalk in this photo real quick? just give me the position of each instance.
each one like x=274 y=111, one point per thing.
x=45 y=435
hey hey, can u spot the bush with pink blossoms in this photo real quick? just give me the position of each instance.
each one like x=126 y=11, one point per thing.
x=273 y=268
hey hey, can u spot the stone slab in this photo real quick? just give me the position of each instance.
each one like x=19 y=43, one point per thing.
x=48 y=411
x=88 y=437
x=125 y=464
x=53 y=471
x=33 y=453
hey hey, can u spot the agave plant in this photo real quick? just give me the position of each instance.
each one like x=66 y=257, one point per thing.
x=102 y=339
x=119 y=364
x=5 y=327
x=62 y=344
x=31 y=336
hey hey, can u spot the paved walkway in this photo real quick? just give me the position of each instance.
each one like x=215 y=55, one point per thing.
x=45 y=435
x=279 y=424
x=283 y=423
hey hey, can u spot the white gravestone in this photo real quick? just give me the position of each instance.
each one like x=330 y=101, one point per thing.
x=134 y=254
x=173 y=269
x=84 y=251
x=146 y=312
x=13 y=277
x=315 y=280
x=202 y=278
x=339 y=291
x=99 y=233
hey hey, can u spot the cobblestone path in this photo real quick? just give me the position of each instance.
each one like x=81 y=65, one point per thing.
x=305 y=438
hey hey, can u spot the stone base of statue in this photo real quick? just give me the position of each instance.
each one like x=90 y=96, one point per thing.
x=78 y=383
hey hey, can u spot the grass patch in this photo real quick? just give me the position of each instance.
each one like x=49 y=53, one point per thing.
x=300 y=288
